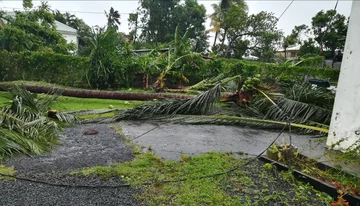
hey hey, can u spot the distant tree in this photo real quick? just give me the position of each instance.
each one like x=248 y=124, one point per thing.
x=161 y=17
x=248 y=34
x=190 y=17
x=33 y=31
x=156 y=20
x=58 y=16
x=111 y=60
x=308 y=47
x=27 y=4
x=328 y=28
x=221 y=18
x=133 y=26
x=113 y=18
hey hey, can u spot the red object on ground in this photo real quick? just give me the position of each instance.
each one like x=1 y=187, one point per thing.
x=91 y=132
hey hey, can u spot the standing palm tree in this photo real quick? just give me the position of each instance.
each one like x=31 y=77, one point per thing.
x=113 y=18
x=215 y=21
x=219 y=15
x=71 y=20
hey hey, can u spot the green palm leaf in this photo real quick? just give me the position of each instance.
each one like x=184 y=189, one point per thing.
x=203 y=103
x=25 y=127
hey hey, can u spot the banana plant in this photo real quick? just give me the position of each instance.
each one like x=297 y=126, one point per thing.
x=160 y=83
x=149 y=65
x=177 y=60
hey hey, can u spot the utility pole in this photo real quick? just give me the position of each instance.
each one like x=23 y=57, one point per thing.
x=345 y=122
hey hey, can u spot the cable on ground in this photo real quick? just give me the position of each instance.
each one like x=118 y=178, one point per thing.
x=146 y=183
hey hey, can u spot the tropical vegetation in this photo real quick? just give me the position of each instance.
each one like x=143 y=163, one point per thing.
x=167 y=50
x=28 y=125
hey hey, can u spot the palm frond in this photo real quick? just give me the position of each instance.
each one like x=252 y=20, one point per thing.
x=299 y=111
x=67 y=118
x=241 y=121
x=25 y=127
x=203 y=103
x=24 y=98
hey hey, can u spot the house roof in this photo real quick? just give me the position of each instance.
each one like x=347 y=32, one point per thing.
x=294 y=48
x=60 y=27
x=65 y=28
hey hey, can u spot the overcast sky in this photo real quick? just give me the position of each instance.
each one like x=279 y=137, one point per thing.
x=92 y=12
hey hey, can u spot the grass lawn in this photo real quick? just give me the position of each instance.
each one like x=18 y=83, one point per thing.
x=72 y=103
x=255 y=184
x=64 y=103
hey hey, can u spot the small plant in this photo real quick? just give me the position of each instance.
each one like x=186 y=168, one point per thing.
x=268 y=166
x=284 y=153
x=6 y=171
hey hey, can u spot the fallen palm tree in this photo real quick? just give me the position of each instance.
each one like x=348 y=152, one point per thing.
x=100 y=94
x=300 y=106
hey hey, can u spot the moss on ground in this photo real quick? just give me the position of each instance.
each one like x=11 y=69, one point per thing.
x=6 y=171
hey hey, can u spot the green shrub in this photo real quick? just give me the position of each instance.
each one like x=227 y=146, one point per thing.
x=42 y=66
x=231 y=67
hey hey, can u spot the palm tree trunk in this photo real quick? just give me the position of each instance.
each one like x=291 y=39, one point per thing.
x=144 y=80
x=223 y=40
x=100 y=94
x=216 y=34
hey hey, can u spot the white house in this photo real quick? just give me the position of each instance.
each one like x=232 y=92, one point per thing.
x=69 y=33
x=291 y=52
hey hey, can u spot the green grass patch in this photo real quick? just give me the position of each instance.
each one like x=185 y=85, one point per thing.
x=6 y=171
x=72 y=103
x=251 y=185
x=64 y=103
x=5 y=98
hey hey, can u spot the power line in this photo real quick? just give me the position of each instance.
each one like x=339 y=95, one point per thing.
x=150 y=183
x=85 y=12
x=327 y=26
x=286 y=9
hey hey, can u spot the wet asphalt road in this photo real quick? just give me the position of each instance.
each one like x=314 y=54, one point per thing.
x=75 y=152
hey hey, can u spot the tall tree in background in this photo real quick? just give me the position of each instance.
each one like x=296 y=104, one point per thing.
x=308 y=47
x=156 y=21
x=27 y=4
x=133 y=26
x=248 y=34
x=33 y=31
x=329 y=28
x=190 y=17
x=113 y=18
x=161 y=17
x=222 y=12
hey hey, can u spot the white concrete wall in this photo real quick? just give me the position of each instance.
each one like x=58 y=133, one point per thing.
x=345 y=122
x=70 y=38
